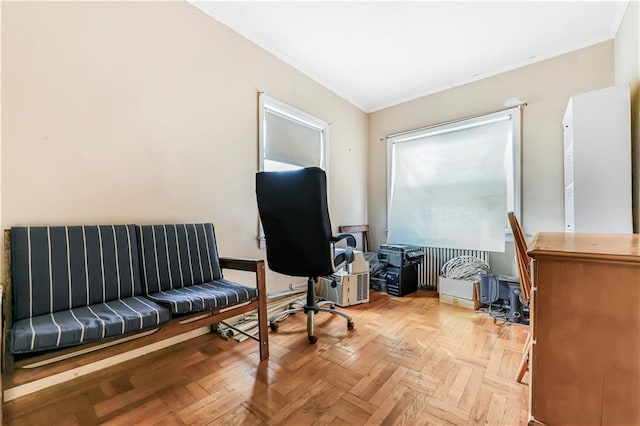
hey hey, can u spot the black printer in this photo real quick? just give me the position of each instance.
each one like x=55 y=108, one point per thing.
x=401 y=270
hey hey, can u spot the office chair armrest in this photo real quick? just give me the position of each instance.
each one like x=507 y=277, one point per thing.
x=348 y=251
x=351 y=240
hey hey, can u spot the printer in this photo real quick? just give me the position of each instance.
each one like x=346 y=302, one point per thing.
x=401 y=270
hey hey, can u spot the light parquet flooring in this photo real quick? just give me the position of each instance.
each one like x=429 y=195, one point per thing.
x=410 y=361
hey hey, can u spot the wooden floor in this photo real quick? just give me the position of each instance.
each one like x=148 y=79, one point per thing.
x=409 y=361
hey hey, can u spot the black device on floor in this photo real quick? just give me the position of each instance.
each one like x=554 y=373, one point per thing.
x=401 y=267
x=503 y=293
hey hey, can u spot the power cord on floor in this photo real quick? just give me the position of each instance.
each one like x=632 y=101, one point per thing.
x=499 y=314
x=465 y=268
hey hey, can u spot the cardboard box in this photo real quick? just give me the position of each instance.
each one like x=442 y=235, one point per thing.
x=457 y=288
x=465 y=294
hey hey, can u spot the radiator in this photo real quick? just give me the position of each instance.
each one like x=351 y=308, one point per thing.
x=435 y=257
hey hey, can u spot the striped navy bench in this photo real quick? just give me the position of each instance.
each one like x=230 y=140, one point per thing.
x=181 y=269
x=77 y=284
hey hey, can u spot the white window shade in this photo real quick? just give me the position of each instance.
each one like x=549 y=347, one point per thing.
x=289 y=139
x=451 y=186
x=291 y=142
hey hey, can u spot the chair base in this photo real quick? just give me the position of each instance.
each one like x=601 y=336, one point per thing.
x=311 y=308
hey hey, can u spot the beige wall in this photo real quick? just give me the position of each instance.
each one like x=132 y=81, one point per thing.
x=627 y=70
x=546 y=87
x=147 y=113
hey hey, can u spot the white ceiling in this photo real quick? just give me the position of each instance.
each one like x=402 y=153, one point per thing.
x=378 y=54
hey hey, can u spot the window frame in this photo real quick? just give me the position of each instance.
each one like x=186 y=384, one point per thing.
x=514 y=114
x=276 y=106
x=269 y=103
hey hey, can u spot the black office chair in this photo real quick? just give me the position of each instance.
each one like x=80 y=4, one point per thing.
x=295 y=217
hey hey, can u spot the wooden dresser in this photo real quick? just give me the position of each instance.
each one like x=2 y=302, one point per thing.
x=585 y=360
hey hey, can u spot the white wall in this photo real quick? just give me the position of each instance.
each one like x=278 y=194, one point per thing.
x=627 y=71
x=147 y=113
x=546 y=87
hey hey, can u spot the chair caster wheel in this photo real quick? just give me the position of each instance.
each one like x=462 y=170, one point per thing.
x=273 y=326
x=350 y=325
x=313 y=339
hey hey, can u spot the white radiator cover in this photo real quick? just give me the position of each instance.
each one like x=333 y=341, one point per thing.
x=436 y=257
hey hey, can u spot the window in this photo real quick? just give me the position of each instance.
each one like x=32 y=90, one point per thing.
x=451 y=185
x=289 y=138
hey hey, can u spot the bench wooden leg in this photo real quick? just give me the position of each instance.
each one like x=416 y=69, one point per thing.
x=7 y=362
x=263 y=320
x=7 y=356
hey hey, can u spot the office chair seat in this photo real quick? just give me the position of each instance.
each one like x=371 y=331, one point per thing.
x=295 y=217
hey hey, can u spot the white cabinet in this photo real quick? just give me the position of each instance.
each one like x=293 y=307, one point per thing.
x=597 y=162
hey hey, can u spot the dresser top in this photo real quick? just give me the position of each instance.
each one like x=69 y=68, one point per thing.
x=618 y=247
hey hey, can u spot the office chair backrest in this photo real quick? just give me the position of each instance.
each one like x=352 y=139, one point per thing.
x=295 y=217
x=522 y=258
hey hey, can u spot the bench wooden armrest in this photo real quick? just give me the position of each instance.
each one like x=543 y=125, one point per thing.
x=257 y=266
x=240 y=264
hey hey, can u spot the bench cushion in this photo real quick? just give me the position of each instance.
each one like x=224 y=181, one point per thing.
x=176 y=256
x=57 y=268
x=86 y=324
x=216 y=294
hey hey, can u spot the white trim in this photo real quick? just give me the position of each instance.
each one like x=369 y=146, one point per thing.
x=292 y=113
x=133 y=289
x=66 y=234
x=186 y=235
x=166 y=245
x=206 y=243
x=266 y=102
x=195 y=230
x=104 y=281
x=494 y=72
x=118 y=315
x=115 y=249
x=50 y=271
x=81 y=325
x=134 y=311
x=155 y=255
x=617 y=18
x=86 y=263
x=175 y=229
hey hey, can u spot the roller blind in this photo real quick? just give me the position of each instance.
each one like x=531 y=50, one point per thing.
x=288 y=139
x=451 y=186
x=292 y=142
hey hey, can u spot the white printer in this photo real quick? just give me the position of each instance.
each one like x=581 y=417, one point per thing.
x=347 y=288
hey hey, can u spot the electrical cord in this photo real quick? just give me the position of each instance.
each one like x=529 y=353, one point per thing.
x=465 y=268
x=498 y=314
